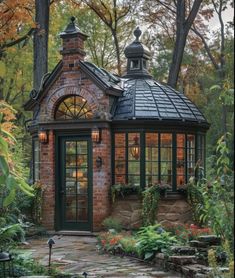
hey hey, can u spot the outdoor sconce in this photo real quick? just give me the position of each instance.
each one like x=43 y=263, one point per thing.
x=96 y=135
x=50 y=243
x=43 y=136
x=99 y=162
x=135 y=148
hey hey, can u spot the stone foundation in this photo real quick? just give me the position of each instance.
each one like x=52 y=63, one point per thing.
x=171 y=211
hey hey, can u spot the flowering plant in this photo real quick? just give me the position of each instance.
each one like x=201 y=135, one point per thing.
x=188 y=232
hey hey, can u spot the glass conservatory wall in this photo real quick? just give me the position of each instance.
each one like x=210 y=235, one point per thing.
x=166 y=158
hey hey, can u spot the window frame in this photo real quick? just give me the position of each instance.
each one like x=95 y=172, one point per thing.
x=174 y=148
x=34 y=140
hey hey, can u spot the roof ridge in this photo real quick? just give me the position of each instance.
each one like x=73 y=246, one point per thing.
x=161 y=87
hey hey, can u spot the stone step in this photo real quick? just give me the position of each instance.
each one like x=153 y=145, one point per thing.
x=210 y=240
x=183 y=250
x=182 y=260
x=198 y=244
x=193 y=270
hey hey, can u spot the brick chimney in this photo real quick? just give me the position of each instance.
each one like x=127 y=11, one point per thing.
x=73 y=45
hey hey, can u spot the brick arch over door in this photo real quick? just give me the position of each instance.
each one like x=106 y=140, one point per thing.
x=60 y=93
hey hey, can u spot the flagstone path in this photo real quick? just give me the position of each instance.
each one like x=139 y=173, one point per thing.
x=76 y=254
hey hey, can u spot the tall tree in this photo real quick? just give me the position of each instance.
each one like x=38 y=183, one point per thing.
x=16 y=26
x=183 y=25
x=217 y=58
x=42 y=11
x=112 y=13
x=175 y=18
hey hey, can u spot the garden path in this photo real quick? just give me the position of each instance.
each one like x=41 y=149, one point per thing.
x=76 y=254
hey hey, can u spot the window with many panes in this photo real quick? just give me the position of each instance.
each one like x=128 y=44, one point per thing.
x=147 y=158
x=36 y=160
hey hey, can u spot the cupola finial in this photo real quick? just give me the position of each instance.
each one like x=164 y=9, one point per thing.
x=137 y=34
x=73 y=18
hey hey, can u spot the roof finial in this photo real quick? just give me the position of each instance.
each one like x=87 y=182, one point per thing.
x=137 y=34
x=73 y=18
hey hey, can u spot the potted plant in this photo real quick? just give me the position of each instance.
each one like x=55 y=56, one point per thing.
x=122 y=190
x=163 y=188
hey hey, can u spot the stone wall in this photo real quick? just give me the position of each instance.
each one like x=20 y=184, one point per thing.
x=172 y=211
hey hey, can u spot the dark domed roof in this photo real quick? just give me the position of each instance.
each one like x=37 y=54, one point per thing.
x=147 y=99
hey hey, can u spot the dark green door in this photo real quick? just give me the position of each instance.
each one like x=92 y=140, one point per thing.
x=74 y=183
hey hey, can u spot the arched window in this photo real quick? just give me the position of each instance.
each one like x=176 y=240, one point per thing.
x=73 y=108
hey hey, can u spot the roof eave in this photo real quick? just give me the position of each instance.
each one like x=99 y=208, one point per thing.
x=30 y=104
x=109 y=90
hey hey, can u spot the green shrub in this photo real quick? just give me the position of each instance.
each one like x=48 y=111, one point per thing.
x=153 y=239
x=128 y=245
x=151 y=197
x=111 y=223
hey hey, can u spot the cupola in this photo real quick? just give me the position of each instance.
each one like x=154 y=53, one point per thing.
x=137 y=55
x=73 y=44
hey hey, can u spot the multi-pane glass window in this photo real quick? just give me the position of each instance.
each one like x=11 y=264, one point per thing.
x=190 y=155
x=36 y=160
x=127 y=158
x=200 y=155
x=120 y=158
x=180 y=160
x=133 y=159
x=166 y=158
x=73 y=108
x=149 y=158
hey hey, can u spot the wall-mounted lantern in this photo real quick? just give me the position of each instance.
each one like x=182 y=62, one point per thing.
x=99 y=162
x=135 y=148
x=96 y=135
x=43 y=136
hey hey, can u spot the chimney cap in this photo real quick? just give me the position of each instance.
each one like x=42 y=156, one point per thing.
x=72 y=29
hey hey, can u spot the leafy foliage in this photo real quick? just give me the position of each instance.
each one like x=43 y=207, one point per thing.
x=151 y=197
x=153 y=239
x=111 y=223
x=213 y=198
x=10 y=180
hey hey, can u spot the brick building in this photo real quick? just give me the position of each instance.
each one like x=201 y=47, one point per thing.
x=92 y=129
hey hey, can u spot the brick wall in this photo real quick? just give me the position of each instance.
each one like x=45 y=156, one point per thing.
x=101 y=179
x=47 y=178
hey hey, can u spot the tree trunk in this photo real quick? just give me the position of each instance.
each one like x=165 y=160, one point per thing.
x=1 y=88
x=114 y=33
x=180 y=42
x=40 y=42
x=183 y=26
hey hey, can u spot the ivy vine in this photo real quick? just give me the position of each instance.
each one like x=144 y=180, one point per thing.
x=150 y=202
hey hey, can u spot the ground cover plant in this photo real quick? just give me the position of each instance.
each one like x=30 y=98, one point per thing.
x=144 y=243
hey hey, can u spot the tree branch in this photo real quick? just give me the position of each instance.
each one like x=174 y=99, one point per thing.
x=12 y=43
x=192 y=14
x=207 y=48
x=166 y=6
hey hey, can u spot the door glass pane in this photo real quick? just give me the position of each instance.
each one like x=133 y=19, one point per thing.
x=76 y=181
x=70 y=208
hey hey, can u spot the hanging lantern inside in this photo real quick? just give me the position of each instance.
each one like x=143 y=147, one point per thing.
x=135 y=148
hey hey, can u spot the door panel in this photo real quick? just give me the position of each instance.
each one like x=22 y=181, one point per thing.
x=74 y=184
